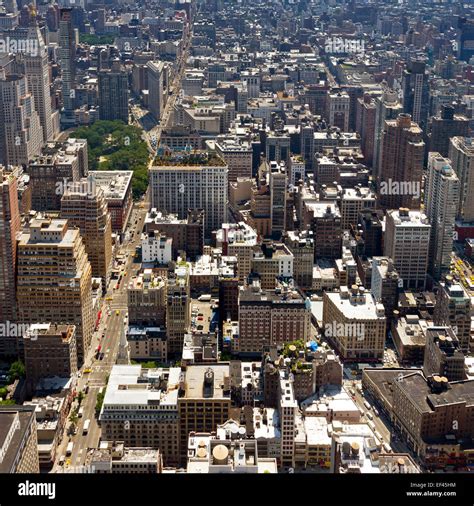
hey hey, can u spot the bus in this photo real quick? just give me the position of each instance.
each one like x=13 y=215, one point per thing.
x=85 y=429
x=70 y=447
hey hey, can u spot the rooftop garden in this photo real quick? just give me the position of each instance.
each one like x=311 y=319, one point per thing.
x=194 y=158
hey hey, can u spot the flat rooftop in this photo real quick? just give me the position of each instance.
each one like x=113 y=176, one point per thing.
x=114 y=183
x=194 y=381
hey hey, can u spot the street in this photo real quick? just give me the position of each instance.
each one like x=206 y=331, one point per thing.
x=112 y=326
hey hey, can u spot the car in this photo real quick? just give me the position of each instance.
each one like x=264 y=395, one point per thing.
x=117 y=312
x=87 y=371
x=62 y=460
x=200 y=318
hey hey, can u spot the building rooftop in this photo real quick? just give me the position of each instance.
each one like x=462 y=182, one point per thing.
x=195 y=159
x=14 y=422
x=114 y=184
x=207 y=381
x=132 y=385
x=356 y=306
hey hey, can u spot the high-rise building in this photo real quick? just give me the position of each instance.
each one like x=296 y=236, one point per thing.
x=178 y=317
x=387 y=107
x=443 y=356
x=353 y=201
x=204 y=401
x=50 y=350
x=113 y=94
x=141 y=409
x=424 y=409
x=355 y=324
x=67 y=57
x=461 y=154
x=84 y=206
x=325 y=223
x=146 y=296
x=338 y=105
x=269 y=317
x=453 y=307
x=272 y=263
x=117 y=188
x=9 y=228
x=54 y=279
x=369 y=226
x=407 y=243
x=301 y=246
x=307 y=146
x=278 y=184
x=21 y=136
x=288 y=408
x=37 y=73
x=154 y=71
x=442 y=196
x=365 y=125
x=238 y=240
x=237 y=154
x=466 y=39
x=187 y=235
x=446 y=126
x=400 y=176
x=415 y=91
x=58 y=166
x=19 y=440
x=198 y=182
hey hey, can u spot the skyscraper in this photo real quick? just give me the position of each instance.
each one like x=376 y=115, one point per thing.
x=453 y=307
x=198 y=182
x=21 y=136
x=37 y=74
x=407 y=240
x=113 y=94
x=466 y=39
x=278 y=183
x=415 y=91
x=461 y=154
x=401 y=169
x=67 y=54
x=387 y=107
x=446 y=126
x=178 y=318
x=9 y=228
x=85 y=207
x=155 y=88
x=442 y=195
x=54 y=279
